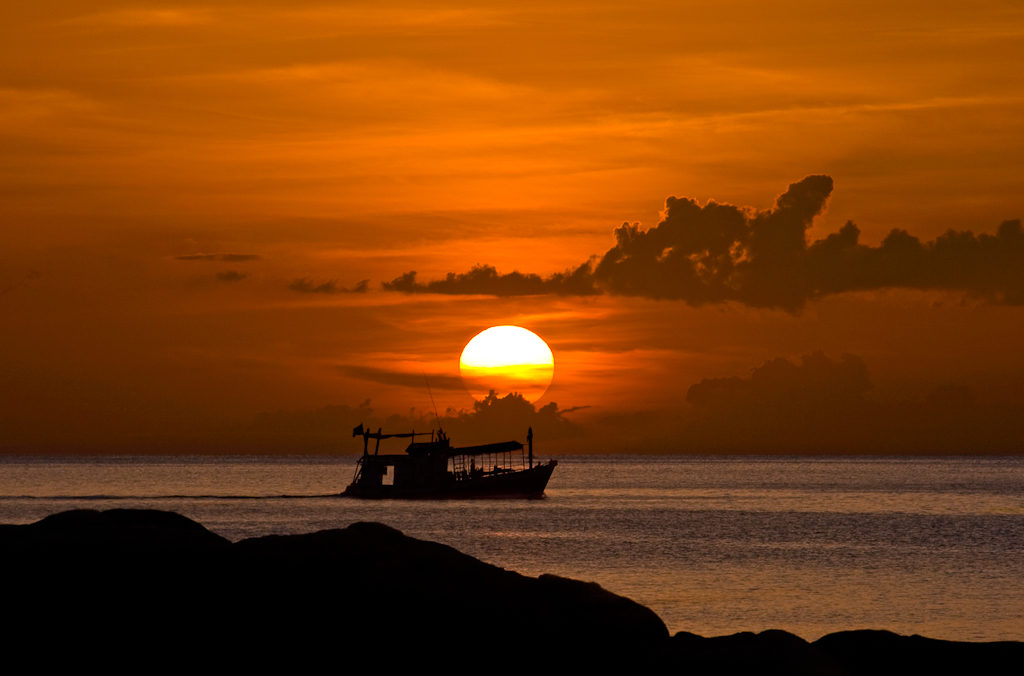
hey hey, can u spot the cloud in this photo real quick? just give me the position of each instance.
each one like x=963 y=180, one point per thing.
x=485 y=280
x=824 y=405
x=716 y=253
x=815 y=404
x=497 y=418
x=404 y=379
x=24 y=281
x=231 y=276
x=813 y=382
x=224 y=257
x=329 y=428
x=303 y=285
x=139 y=18
x=988 y=266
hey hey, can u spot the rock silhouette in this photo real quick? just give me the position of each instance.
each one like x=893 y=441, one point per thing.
x=153 y=590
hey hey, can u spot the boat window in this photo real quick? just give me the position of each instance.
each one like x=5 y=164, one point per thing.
x=388 y=479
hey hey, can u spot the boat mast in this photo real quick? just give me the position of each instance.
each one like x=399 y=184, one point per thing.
x=360 y=430
x=436 y=416
x=529 y=441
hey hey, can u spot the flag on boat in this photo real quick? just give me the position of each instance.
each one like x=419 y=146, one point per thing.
x=357 y=430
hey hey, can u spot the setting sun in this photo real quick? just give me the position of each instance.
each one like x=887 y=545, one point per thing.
x=507 y=359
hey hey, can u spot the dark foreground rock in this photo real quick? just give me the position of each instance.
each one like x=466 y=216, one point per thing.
x=154 y=591
x=845 y=653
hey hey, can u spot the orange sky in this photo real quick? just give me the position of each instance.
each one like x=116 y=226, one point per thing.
x=178 y=178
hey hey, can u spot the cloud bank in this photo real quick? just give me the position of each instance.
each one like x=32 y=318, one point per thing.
x=231 y=276
x=815 y=404
x=485 y=280
x=223 y=257
x=824 y=405
x=716 y=253
x=437 y=381
x=331 y=286
x=328 y=429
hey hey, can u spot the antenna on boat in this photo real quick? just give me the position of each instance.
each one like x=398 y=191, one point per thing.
x=427 y=381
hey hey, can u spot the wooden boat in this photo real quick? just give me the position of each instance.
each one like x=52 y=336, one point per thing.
x=436 y=469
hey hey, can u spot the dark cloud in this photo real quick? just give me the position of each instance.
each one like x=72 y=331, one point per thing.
x=715 y=253
x=415 y=380
x=812 y=405
x=718 y=252
x=815 y=381
x=824 y=405
x=485 y=280
x=224 y=257
x=231 y=276
x=27 y=279
x=988 y=266
x=305 y=286
x=816 y=405
x=329 y=429
x=499 y=418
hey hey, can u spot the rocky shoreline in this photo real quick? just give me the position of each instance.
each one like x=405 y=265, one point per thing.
x=137 y=587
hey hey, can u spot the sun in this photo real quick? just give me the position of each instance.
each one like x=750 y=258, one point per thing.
x=507 y=359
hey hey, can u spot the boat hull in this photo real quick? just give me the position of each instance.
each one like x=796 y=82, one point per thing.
x=527 y=483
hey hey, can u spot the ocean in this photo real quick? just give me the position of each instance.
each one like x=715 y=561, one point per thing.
x=714 y=545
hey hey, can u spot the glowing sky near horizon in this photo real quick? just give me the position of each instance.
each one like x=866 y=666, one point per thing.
x=201 y=200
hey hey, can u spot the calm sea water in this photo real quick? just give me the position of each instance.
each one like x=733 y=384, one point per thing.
x=713 y=545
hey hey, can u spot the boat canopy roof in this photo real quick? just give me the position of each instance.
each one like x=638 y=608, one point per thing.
x=484 y=449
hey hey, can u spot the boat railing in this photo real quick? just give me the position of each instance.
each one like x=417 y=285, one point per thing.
x=469 y=467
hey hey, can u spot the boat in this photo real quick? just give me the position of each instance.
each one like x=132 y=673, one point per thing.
x=435 y=469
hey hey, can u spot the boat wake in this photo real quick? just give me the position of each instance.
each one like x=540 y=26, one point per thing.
x=8 y=498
